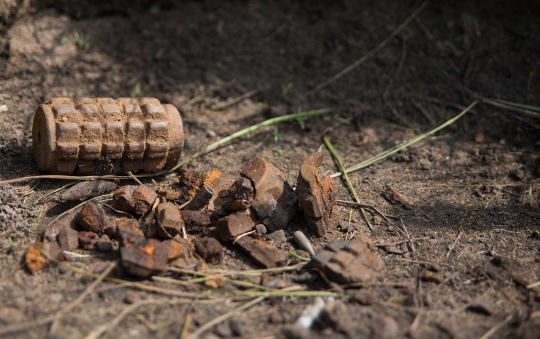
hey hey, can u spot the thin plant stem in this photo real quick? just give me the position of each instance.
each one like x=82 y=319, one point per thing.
x=406 y=144
x=223 y=317
x=346 y=177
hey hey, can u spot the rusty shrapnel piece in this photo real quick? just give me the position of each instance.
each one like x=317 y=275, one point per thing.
x=274 y=200
x=316 y=193
x=105 y=135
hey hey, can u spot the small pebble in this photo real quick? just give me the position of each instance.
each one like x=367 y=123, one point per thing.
x=261 y=229
x=3 y=108
x=303 y=242
x=131 y=297
x=210 y=133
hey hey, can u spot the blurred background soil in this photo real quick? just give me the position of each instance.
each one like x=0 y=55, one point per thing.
x=474 y=187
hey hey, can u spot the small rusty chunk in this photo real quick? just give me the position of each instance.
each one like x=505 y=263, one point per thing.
x=197 y=221
x=275 y=200
x=316 y=193
x=236 y=205
x=67 y=221
x=210 y=250
x=87 y=240
x=242 y=189
x=134 y=199
x=233 y=225
x=35 y=260
x=128 y=232
x=394 y=197
x=178 y=248
x=189 y=181
x=264 y=254
x=220 y=183
x=169 y=220
x=68 y=239
x=39 y=253
x=346 y=263
x=145 y=258
x=169 y=194
x=88 y=189
x=201 y=198
x=92 y=218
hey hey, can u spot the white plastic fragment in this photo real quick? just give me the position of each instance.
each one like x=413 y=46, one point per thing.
x=313 y=311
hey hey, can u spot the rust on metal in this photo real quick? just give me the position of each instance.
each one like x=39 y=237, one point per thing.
x=316 y=193
x=178 y=248
x=105 y=135
x=274 y=201
x=134 y=199
x=144 y=258
x=235 y=224
x=92 y=218
x=263 y=253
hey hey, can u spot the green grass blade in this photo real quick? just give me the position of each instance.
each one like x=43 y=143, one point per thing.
x=406 y=144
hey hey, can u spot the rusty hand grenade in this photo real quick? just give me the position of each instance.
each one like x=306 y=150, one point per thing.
x=105 y=135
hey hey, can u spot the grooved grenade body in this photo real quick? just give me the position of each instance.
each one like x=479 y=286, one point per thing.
x=104 y=135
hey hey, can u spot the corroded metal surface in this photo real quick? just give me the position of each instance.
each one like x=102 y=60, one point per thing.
x=274 y=201
x=105 y=135
x=316 y=193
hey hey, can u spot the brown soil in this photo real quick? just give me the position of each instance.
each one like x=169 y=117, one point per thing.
x=471 y=202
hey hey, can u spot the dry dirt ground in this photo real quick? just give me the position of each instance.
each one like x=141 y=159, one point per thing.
x=475 y=207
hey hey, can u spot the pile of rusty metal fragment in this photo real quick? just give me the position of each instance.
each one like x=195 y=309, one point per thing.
x=191 y=223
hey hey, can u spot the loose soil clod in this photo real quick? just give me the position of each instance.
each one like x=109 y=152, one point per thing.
x=104 y=243
x=69 y=220
x=431 y=276
x=275 y=200
x=87 y=240
x=316 y=193
x=346 y=263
